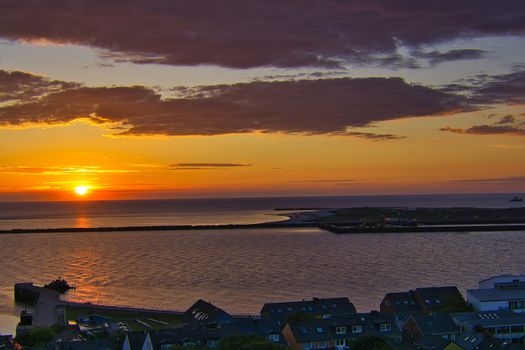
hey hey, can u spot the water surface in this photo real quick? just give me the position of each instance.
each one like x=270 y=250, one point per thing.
x=240 y=270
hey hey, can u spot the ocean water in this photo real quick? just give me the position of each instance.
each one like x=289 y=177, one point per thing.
x=212 y=211
x=240 y=270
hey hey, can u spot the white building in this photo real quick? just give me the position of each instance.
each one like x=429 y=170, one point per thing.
x=503 y=282
x=499 y=293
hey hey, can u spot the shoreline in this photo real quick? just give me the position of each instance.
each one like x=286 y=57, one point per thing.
x=337 y=229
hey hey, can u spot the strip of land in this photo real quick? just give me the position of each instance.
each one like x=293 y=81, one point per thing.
x=354 y=220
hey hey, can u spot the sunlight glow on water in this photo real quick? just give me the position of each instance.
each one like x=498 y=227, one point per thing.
x=240 y=270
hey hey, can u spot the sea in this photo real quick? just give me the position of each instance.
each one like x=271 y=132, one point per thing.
x=239 y=270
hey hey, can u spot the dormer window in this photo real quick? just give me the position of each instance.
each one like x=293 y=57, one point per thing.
x=340 y=330
x=385 y=327
x=319 y=330
x=273 y=337
x=357 y=328
x=303 y=330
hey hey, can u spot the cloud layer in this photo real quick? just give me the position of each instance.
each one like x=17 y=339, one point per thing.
x=245 y=34
x=326 y=106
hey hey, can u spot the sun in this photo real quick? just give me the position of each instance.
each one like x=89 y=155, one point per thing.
x=82 y=190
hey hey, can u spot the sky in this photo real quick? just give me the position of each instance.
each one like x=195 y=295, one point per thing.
x=141 y=99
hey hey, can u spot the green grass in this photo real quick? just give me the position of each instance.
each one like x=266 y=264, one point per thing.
x=129 y=317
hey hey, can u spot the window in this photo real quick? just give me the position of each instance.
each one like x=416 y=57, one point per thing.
x=308 y=346
x=340 y=342
x=212 y=343
x=357 y=329
x=319 y=330
x=340 y=330
x=322 y=345
x=303 y=330
x=516 y=329
x=273 y=337
x=385 y=327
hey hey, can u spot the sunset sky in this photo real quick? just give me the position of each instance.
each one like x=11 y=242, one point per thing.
x=203 y=98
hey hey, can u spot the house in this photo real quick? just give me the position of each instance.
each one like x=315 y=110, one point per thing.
x=338 y=332
x=201 y=335
x=504 y=292
x=66 y=336
x=401 y=302
x=139 y=341
x=505 y=325
x=475 y=341
x=424 y=325
x=497 y=299
x=206 y=313
x=440 y=299
x=426 y=300
x=317 y=307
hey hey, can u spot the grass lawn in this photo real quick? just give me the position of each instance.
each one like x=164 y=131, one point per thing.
x=136 y=320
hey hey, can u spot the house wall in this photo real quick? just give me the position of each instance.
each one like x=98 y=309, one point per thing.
x=290 y=339
x=487 y=305
x=411 y=331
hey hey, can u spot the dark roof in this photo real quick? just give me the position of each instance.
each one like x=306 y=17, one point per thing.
x=205 y=312
x=436 y=323
x=435 y=298
x=489 y=318
x=136 y=339
x=325 y=329
x=496 y=294
x=401 y=302
x=67 y=335
x=431 y=342
x=316 y=306
x=93 y=320
x=199 y=333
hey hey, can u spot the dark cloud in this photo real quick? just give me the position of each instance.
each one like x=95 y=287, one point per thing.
x=506 y=119
x=209 y=165
x=15 y=86
x=373 y=136
x=245 y=34
x=324 y=181
x=500 y=180
x=504 y=88
x=488 y=130
x=435 y=57
x=327 y=106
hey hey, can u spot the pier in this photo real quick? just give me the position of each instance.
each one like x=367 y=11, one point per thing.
x=44 y=300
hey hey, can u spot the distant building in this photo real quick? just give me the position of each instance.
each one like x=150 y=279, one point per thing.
x=138 y=341
x=317 y=307
x=475 y=341
x=402 y=302
x=504 y=325
x=505 y=292
x=439 y=325
x=439 y=299
x=206 y=313
x=338 y=332
x=200 y=335
x=503 y=282
x=425 y=300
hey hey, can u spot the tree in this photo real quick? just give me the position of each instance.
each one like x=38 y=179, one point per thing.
x=39 y=336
